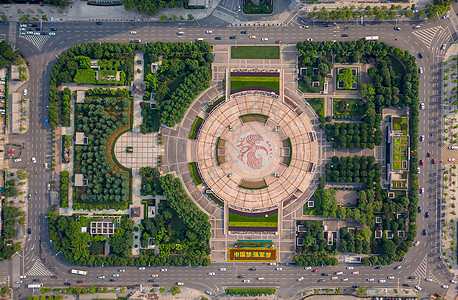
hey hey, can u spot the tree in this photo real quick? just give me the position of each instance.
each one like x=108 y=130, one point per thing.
x=9 y=232
x=11 y=191
x=175 y=290
x=6 y=54
x=10 y=212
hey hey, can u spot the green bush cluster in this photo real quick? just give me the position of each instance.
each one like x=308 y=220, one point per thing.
x=357 y=169
x=98 y=118
x=65 y=103
x=357 y=242
x=63 y=194
x=353 y=135
x=7 y=55
x=249 y=292
x=151 y=119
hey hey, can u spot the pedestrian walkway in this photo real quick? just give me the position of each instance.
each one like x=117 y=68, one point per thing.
x=426 y=36
x=421 y=269
x=38 y=269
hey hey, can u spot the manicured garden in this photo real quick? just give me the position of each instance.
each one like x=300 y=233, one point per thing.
x=249 y=292
x=345 y=108
x=236 y=220
x=63 y=193
x=196 y=128
x=318 y=105
x=313 y=70
x=241 y=82
x=400 y=124
x=347 y=79
x=255 y=52
x=400 y=155
x=195 y=173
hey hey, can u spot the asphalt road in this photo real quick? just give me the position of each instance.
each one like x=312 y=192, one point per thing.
x=420 y=261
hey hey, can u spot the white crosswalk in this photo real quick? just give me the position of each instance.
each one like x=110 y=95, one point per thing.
x=427 y=35
x=38 y=269
x=37 y=40
x=421 y=270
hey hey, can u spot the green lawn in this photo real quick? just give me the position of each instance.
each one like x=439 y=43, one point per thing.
x=238 y=220
x=317 y=104
x=347 y=108
x=193 y=133
x=275 y=85
x=193 y=170
x=85 y=76
x=255 y=52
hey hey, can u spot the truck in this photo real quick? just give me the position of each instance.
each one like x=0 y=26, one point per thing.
x=79 y=272
x=371 y=38
x=35 y=285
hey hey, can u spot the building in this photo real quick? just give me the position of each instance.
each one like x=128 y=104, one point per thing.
x=80 y=181
x=80 y=95
x=80 y=139
x=135 y=212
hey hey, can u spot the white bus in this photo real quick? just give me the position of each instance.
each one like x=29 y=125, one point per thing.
x=34 y=285
x=371 y=38
x=79 y=272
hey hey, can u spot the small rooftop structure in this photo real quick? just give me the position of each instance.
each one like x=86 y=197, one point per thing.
x=80 y=95
x=14 y=72
x=138 y=88
x=80 y=181
x=81 y=139
x=135 y=212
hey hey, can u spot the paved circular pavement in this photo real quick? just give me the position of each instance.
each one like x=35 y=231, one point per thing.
x=267 y=151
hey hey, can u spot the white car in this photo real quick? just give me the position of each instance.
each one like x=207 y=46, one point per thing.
x=222 y=269
x=180 y=283
x=36 y=33
x=370 y=279
x=422 y=138
x=121 y=270
x=17 y=160
x=451 y=159
x=416 y=27
x=278 y=269
x=444 y=286
x=22 y=29
x=418 y=170
x=115 y=275
x=133 y=32
x=24 y=92
x=101 y=277
x=141 y=268
x=18 y=282
x=420 y=70
x=163 y=270
x=180 y=32
x=349 y=268
x=443 y=46
x=260 y=278
x=23 y=25
x=307 y=268
x=272 y=264
x=452 y=281
x=422 y=190
x=246 y=280
x=52 y=33
x=208 y=32
x=264 y=39
x=344 y=279
x=382 y=280
x=428 y=279
x=397 y=268
x=300 y=279
x=422 y=106
x=418 y=288
x=34 y=160
x=208 y=293
x=390 y=277
x=211 y=273
x=309 y=40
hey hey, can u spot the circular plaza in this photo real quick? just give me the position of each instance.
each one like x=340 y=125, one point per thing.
x=255 y=151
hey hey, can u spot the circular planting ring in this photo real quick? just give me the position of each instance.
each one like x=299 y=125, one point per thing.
x=255 y=151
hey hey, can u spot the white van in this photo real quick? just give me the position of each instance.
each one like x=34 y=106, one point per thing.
x=199 y=39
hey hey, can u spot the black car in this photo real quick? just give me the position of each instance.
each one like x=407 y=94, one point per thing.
x=36 y=280
x=355 y=287
x=155 y=285
x=53 y=29
x=232 y=37
x=402 y=259
x=151 y=280
x=243 y=32
x=324 y=274
x=411 y=277
x=217 y=37
x=252 y=269
x=29 y=230
x=405 y=284
x=98 y=23
x=112 y=280
x=321 y=280
x=419 y=209
x=130 y=294
x=240 y=276
x=326 y=25
x=420 y=55
x=378 y=268
x=67 y=283
x=344 y=35
x=397 y=28
x=43 y=33
x=427 y=214
x=424 y=232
